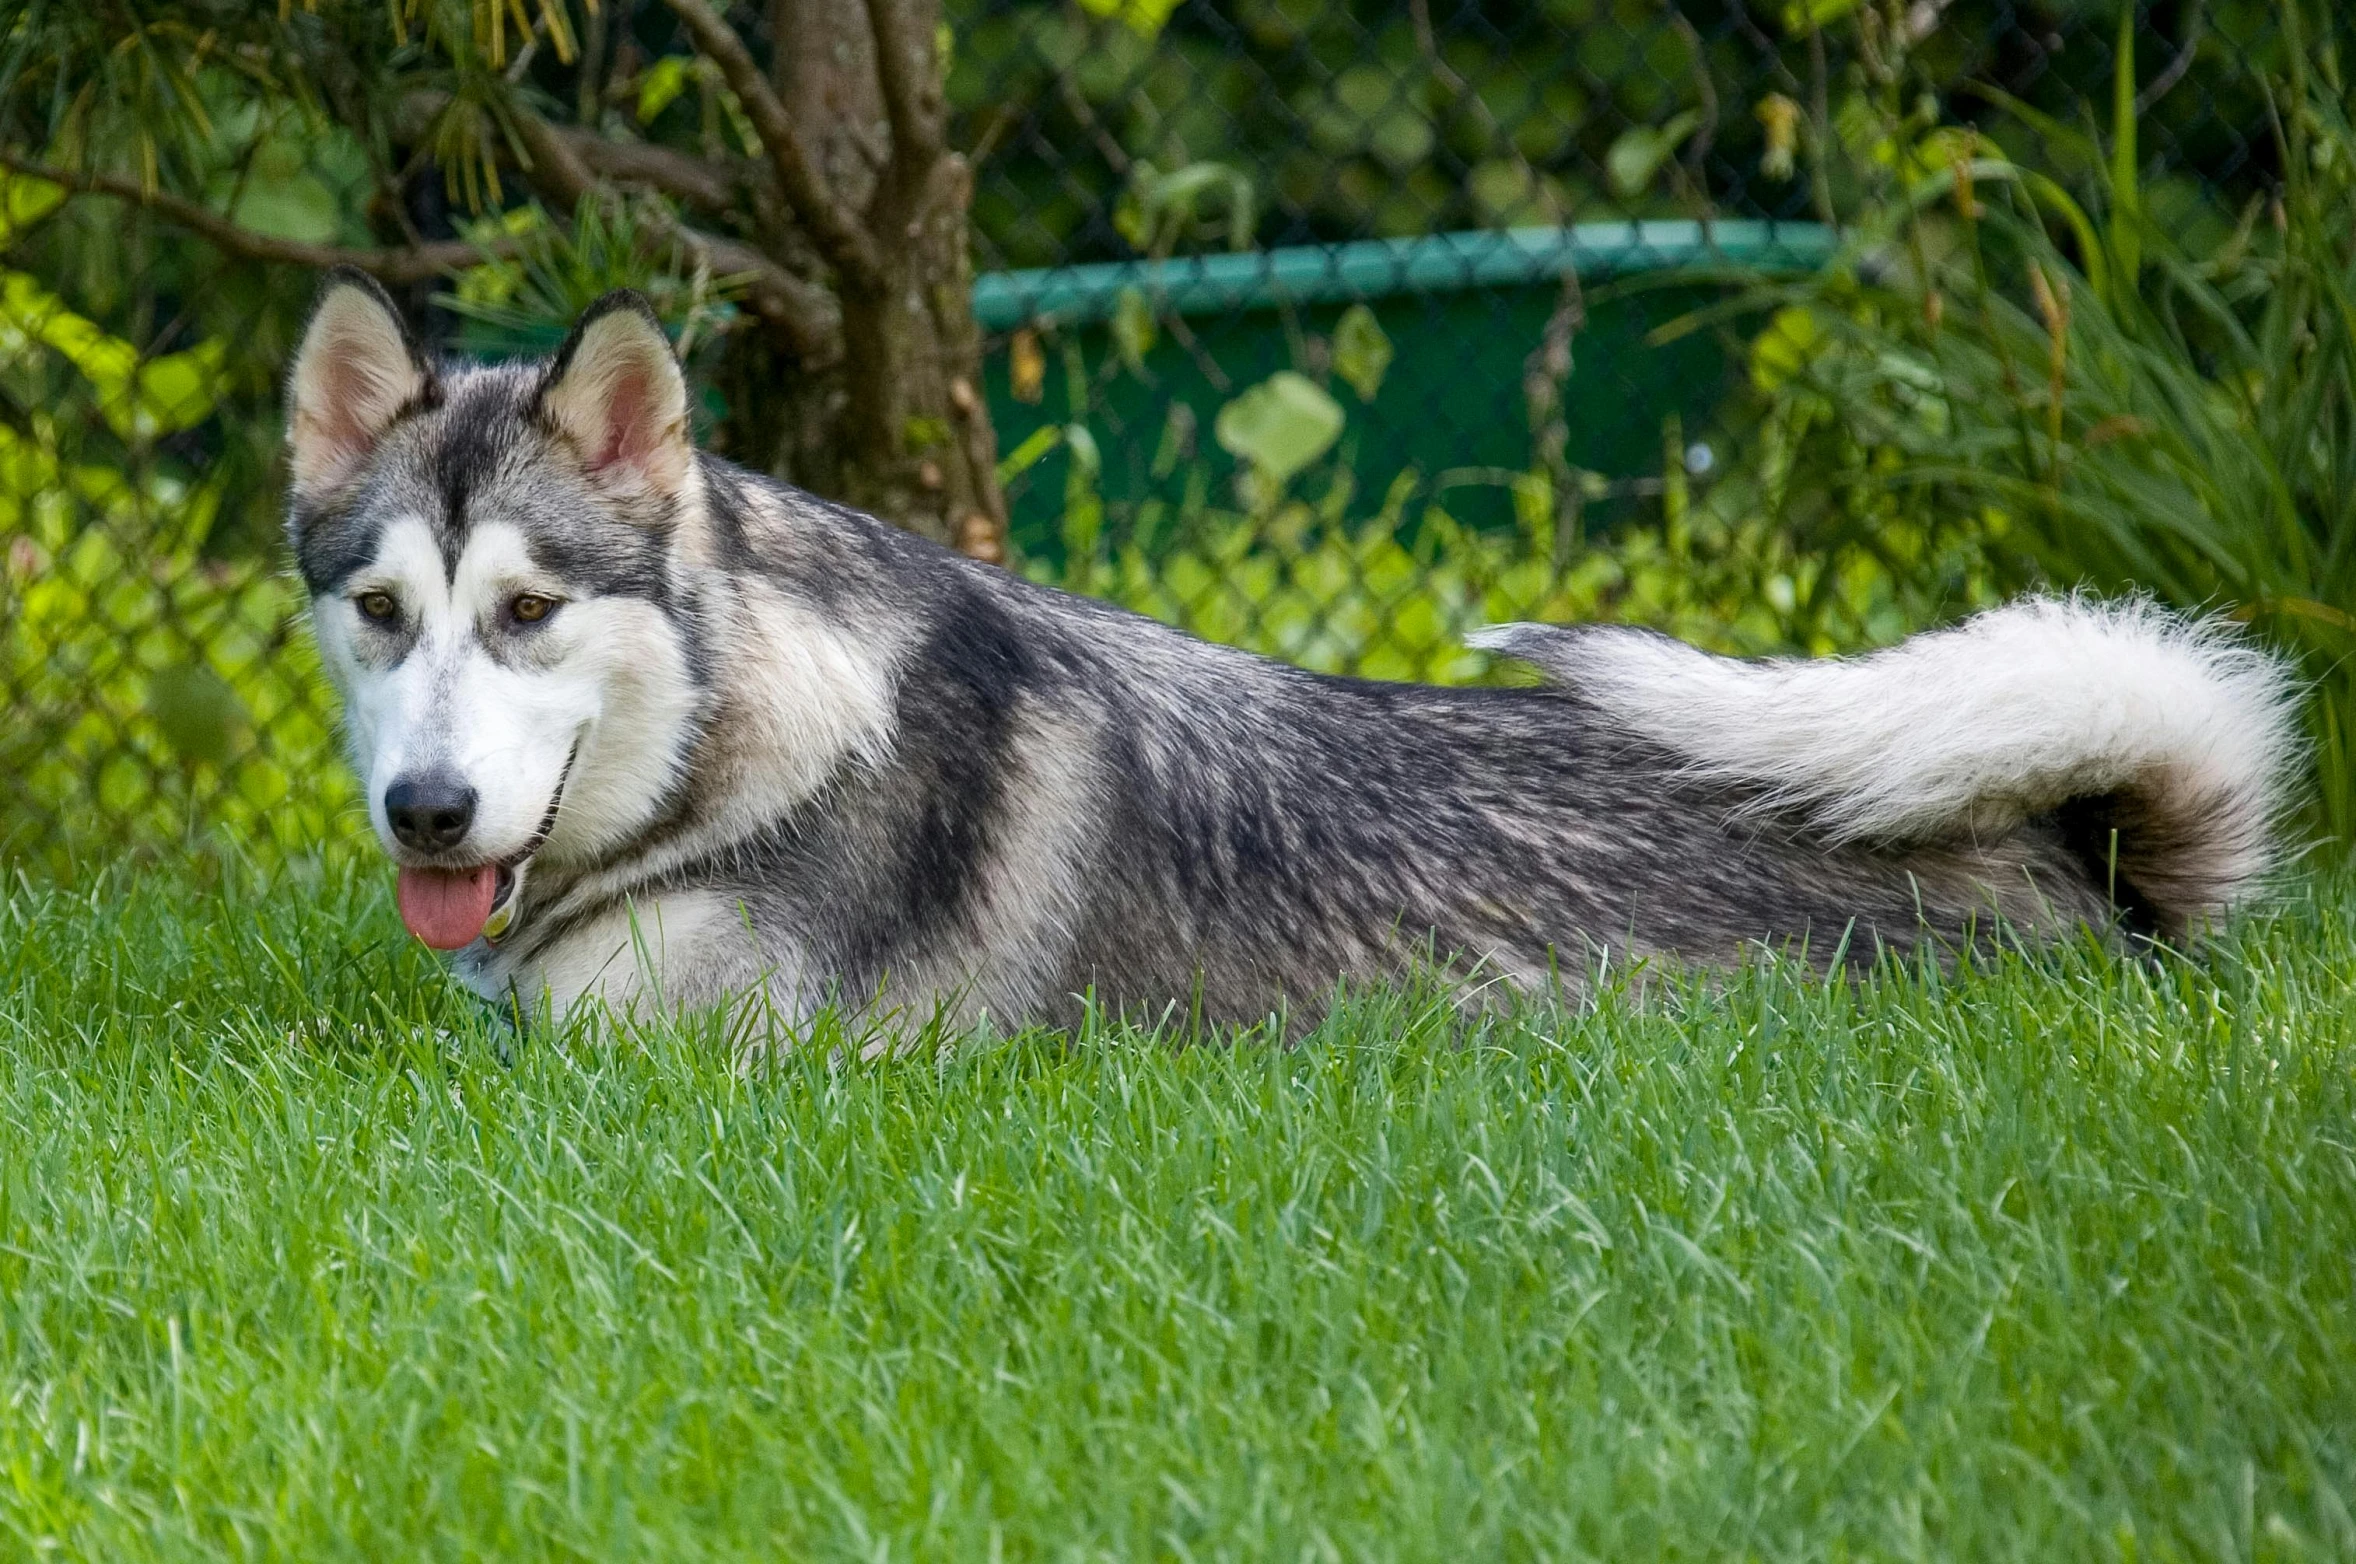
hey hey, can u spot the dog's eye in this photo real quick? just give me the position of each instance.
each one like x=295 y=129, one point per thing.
x=378 y=606
x=531 y=608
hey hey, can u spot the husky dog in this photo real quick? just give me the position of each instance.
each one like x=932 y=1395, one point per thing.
x=639 y=726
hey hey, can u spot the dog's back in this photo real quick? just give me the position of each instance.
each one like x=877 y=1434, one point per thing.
x=1187 y=822
x=1078 y=801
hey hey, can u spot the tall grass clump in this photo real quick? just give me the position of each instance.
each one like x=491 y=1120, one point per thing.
x=2115 y=396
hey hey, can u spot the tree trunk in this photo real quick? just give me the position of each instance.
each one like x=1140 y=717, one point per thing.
x=917 y=440
x=893 y=422
x=896 y=424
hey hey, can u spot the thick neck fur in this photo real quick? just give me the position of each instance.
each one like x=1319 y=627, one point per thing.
x=792 y=696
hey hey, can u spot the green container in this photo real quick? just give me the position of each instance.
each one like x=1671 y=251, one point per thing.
x=1463 y=313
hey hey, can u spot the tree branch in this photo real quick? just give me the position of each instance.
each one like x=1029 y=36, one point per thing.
x=911 y=89
x=787 y=18
x=555 y=167
x=2167 y=79
x=708 y=187
x=716 y=188
x=412 y=264
x=832 y=228
x=810 y=318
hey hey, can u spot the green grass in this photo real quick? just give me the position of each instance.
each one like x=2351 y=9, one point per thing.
x=301 y=1258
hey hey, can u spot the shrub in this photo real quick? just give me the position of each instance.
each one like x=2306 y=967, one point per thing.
x=150 y=689
x=2108 y=402
x=1392 y=593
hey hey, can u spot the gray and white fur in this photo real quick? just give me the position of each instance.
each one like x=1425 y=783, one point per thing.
x=718 y=736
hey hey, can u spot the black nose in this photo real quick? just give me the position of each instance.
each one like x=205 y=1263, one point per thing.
x=429 y=813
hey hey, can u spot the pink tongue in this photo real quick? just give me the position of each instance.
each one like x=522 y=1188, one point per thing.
x=447 y=908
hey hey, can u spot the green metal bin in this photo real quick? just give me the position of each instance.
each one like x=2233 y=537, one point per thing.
x=1462 y=311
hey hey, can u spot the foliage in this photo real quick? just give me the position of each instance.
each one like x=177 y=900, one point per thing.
x=1301 y=564
x=139 y=397
x=1338 y=119
x=149 y=692
x=2115 y=400
x=519 y=304
x=1279 y=426
x=203 y=341
x=1392 y=592
x=1347 y=117
x=148 y=684
x=1217 y=124
x=412 y=139
x=305 y=1256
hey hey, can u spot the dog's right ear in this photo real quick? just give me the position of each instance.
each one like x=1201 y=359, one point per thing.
x=354 y=374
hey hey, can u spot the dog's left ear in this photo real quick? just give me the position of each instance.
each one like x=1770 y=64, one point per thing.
x=615 y=392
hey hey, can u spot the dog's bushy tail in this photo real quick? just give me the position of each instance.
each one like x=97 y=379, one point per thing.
x=2162 y=745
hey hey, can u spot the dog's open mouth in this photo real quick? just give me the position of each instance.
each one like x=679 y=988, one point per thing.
x=450 y=909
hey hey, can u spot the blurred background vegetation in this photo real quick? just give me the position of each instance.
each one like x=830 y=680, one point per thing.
x=1325 y=327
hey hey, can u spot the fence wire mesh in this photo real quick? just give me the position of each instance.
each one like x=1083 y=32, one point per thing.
x=1327 y=327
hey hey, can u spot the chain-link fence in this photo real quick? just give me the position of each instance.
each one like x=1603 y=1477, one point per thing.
x=1329 y=327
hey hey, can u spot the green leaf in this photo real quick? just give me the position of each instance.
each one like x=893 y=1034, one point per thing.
x=1638 y=155
x=24 y=201
x=140 y=399
x=1361 y=353
x=2055 y=199
x=661 y=84
x=1027 y=455
x=1372 y=110
x=1786 y=348
x=1802 y=17
x=1160 y=208
x=1506 y=193
x=1133 y=328
x=1157 y=210
x=1280 y=425
x=198 y=713
x=1144 y=17
x=178 y=390
x=299 y=207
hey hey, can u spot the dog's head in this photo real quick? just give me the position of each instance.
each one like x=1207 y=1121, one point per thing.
x=492 y=556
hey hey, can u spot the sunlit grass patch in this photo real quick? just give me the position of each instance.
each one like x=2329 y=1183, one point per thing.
x=303 y=1255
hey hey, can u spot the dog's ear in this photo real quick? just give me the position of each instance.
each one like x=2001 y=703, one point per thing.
x=615 y=392
x=356 y=372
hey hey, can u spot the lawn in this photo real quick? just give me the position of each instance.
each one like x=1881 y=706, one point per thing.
x=300 y=1256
